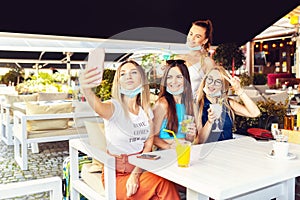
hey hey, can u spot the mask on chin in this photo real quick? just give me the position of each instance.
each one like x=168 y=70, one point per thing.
x=216 y=94
x=131 y=93
x=180 y=91
x=196 y=48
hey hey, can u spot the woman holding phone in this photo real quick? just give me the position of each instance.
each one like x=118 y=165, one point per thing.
x=128 y=129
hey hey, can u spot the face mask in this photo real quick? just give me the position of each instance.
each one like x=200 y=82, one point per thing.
x=180 y=91
x=131 y=93
x=216 y=94
x=196 y=48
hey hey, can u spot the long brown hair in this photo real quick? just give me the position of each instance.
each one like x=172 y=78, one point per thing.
x=187 y=98
x=207 y=25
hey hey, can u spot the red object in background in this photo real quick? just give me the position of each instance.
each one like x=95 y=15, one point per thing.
x=233 y=70
x=260 y=133
x=272 y=78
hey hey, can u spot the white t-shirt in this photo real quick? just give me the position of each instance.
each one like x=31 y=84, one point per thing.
x=126 y=136
x=196 y=76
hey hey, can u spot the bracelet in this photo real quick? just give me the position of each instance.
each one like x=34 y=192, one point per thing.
x=243 y=91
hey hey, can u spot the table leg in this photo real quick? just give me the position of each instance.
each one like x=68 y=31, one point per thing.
x=288 y=190
x=192 y=195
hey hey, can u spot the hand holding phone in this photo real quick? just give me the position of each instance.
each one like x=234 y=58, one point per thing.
x=96 y=59
x=148 y=156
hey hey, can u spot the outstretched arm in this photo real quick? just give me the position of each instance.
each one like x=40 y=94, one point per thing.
x=249 y=109
x=87 y=80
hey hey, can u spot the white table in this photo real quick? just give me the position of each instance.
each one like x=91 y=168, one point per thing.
x=232 y=169
x=278 y=91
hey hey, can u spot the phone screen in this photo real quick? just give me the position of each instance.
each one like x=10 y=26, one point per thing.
x=149 y=156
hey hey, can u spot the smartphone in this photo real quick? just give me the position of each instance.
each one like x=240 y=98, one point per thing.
x=96 y=58
x=149 y=156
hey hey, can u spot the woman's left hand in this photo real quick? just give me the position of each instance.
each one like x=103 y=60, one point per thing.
x=132 y=184
x=235 y=82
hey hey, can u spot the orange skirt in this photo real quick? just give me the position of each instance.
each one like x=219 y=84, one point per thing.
x=151 y=187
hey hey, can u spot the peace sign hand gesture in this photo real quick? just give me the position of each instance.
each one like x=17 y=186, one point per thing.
x=235 y=82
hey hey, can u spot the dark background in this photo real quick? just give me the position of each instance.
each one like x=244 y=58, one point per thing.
x=233 y=21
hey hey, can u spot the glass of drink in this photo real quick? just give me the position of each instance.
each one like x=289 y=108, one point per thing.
x=183 y=152
x=217 y=109
x=187 y=119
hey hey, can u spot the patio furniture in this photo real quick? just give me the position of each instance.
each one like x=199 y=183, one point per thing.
x=246 y=171
x=52 y=184
x=79 y=186
x=6 y=114
x=39 y=128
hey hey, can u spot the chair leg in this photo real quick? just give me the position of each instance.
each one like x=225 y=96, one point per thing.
x=34 y=147
x=20 y=154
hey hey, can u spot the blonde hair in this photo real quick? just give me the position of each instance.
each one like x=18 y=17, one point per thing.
x=224 y=91
x=143 y=99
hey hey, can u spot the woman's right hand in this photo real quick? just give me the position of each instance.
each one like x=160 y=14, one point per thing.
x=90 y=77
x=211 y=116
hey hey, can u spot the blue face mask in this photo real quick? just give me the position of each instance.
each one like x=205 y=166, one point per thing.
x=217 y=94
x=131 y=93
x=196 y=48
x=180 y=91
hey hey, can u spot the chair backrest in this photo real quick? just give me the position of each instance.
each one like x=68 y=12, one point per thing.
x=96 y=134
x=48 y=96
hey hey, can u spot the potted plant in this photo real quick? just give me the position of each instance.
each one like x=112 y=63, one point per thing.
x=103 y=91
x=271 y=111
x=229 y=54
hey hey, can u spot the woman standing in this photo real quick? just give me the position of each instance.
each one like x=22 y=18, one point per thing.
x=198 y=60
x=128 y=127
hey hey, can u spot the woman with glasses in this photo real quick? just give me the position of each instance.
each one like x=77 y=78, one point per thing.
x=215 y=118
x=174 y=101
x=128 y=129
x=198 y=60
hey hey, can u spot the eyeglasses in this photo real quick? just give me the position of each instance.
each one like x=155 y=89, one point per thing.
x=217 y=82
x=174 y=62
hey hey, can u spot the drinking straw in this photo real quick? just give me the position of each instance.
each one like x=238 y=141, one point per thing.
x=175 y=138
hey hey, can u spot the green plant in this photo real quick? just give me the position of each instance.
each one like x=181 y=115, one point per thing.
x=103 y=91
x=246 y=80
x=14 y=75
x=44 y=82
x=225 y=53
x=269 y=109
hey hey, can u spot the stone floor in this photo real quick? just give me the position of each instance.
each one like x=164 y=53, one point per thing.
x=47 y=163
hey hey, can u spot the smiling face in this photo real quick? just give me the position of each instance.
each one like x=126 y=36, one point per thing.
x=213 y=83
x=130 y=77
x=175 y=80
x=196 y=36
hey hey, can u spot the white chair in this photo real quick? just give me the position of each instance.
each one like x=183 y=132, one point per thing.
x=77 y=185
x=6 y=124
x=23 y=137
x=52 y=184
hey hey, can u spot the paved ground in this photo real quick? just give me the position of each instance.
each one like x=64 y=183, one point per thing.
x=47 y=163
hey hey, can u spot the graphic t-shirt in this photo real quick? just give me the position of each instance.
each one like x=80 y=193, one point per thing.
x=126 y=134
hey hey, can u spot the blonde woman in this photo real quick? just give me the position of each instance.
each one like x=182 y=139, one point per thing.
x=213 y=90
x=128 y=127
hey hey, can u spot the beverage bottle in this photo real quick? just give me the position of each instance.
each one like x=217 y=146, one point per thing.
x=289 y=120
